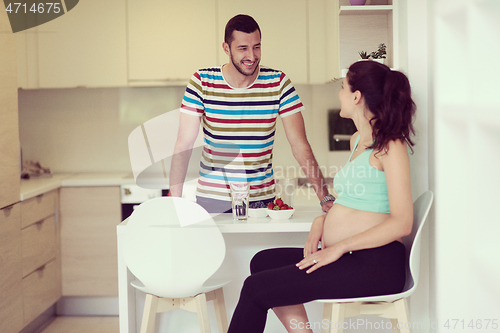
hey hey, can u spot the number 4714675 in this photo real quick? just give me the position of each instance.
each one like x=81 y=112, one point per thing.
x=40 y=8
x=477 y=324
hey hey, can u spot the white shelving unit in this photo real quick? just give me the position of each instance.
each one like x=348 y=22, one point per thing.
x=366 y=10
x=363 y=28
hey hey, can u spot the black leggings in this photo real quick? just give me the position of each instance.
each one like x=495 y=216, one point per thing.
x=276 y=281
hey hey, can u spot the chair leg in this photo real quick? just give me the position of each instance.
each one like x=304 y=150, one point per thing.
x=149 y=314
x=334 y=314
x=327 y=316
x=403 y=315
x=220 y=311
x=202 y=310
x=394 y=327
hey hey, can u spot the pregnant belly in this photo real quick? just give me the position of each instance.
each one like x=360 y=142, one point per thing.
x=343 y=222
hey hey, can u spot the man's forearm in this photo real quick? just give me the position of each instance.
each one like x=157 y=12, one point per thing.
x=310 y=167
x=178 y=170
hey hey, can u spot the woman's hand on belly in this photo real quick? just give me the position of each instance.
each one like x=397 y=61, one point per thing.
x=322 y=258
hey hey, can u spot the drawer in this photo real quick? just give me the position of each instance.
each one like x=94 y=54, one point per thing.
x=40 y=291
x=39 y=244
x=38 y=208
x=11 y=299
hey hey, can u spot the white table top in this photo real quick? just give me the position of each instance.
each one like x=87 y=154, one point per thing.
x=300 y=221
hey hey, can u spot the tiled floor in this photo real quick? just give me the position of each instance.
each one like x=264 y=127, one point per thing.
x=83 y=325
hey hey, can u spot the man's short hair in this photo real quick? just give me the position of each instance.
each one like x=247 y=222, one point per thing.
x=240 y=22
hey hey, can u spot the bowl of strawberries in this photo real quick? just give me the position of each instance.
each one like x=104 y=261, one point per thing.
x=278 y=210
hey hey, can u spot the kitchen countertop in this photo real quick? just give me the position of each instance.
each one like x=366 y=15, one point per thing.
x=38 y=185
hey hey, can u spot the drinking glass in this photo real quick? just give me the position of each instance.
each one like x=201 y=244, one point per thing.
x=239 y=200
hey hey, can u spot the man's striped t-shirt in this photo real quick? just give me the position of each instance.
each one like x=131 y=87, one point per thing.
x=239 y=126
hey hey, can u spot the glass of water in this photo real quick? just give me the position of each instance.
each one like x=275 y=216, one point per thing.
x=239 y=200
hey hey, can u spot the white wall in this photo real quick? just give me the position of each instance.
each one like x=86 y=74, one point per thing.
x=419 y=73
x=466 y=269
x=86 y=130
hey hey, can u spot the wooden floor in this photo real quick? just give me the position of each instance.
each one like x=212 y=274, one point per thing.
x=83 y=325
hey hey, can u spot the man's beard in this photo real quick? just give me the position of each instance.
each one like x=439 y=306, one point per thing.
x=241 y=70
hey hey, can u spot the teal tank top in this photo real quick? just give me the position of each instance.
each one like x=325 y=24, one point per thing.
x=361 y=186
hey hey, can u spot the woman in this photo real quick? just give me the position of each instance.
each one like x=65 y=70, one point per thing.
x=361 y=236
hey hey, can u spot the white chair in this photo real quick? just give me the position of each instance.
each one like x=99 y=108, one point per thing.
x=392 y=306
x=173 y=247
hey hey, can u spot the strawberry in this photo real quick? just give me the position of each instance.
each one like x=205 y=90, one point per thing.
x=270 y=205
x=285 y=206
x=279 y=202
x=276 y=207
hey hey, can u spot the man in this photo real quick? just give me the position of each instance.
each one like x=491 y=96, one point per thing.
x=239 y=103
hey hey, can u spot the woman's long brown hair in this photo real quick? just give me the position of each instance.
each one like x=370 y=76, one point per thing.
x=387 y=95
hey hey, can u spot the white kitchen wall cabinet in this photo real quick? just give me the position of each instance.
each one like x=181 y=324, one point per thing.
x=363 y=28
x=89 y=216
x=322 y=44
x=163 y=42
x=85 y=47
x=168 y=40
x=9 y=123
x=27 y=58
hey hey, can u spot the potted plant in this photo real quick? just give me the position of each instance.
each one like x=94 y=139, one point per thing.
x=379 y=55
x=364 y=55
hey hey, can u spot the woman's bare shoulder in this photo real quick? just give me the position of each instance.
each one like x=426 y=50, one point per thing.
x=396 y=150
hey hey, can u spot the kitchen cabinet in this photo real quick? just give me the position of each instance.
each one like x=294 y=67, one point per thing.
x=84 y=47
x=40 y=290
x=27 y=59
x=322 y=42
x=89 y=216
x=168 y=40
x=9 y=126
x=163 y=42
x=11 y=300
x=363 y=28
x=29 y=260
x=41 y=264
